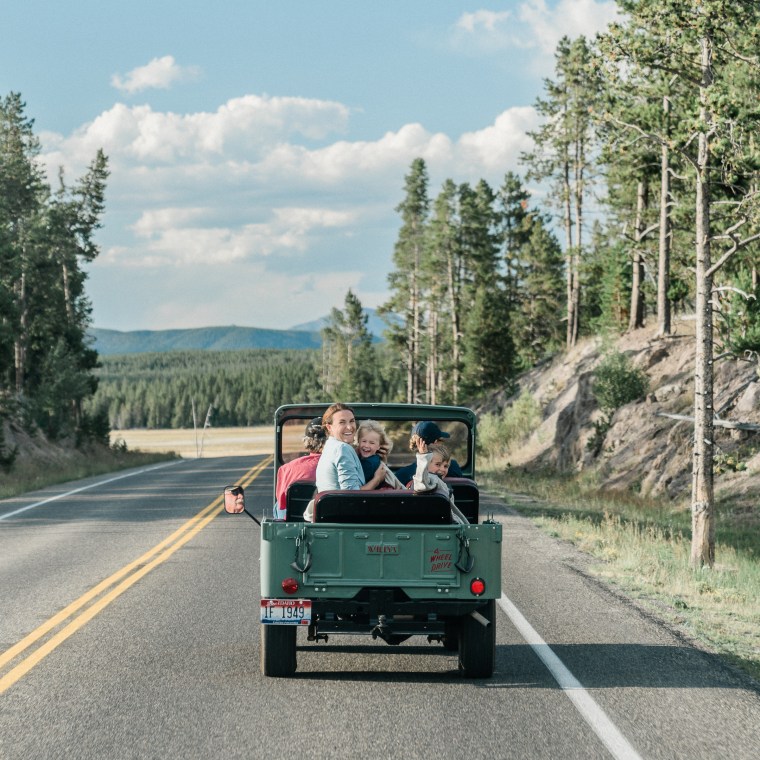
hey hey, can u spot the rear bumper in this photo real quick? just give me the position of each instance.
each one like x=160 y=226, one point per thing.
x=384 y=608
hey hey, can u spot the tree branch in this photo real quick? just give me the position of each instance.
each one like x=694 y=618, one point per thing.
x=654 y=138
x=734 y=290
x=751 y=426
x=738 y=245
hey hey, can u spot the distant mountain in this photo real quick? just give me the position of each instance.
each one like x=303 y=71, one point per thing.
x=375 y=324
x=232 y=338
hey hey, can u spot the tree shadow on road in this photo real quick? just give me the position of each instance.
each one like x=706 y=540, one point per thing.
x=595 y=666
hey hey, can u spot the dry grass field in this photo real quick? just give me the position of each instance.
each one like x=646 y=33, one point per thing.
x=208 y=443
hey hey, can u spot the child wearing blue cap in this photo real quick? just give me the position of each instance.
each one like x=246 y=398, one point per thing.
x=423 y=434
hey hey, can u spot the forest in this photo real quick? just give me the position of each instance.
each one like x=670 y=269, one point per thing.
x=164 y=390
x=46 y=235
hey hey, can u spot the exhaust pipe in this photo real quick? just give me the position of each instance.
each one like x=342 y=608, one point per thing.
x=485 y=622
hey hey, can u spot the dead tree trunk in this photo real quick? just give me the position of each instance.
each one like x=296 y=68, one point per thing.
x=636 y=318
x=702 y=497
x=663 y=266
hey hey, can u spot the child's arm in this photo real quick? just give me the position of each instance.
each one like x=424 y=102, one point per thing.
x=423 y=479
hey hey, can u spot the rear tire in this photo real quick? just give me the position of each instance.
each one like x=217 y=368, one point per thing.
x=450 y=639
x=477 y=644
x=278 y=650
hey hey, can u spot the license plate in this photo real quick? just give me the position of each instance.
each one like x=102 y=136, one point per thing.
x=286 y=611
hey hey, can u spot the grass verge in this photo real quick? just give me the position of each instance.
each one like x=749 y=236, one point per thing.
x=643 y=549
x=27 y=476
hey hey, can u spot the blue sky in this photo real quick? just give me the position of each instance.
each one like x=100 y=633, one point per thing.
x=258 y=149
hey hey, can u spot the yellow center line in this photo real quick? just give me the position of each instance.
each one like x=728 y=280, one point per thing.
x=138 y=569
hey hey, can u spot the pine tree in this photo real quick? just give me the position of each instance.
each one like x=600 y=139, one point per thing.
x=22 y=194
x=513 y=232
x=564 y=155
x=536 y=321
x=445 y=267
x=44 y=311
x=350 y=367
x=405 y=281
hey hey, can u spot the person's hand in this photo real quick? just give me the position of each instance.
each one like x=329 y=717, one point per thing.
x=379 y=475
x=422 y=446
x=383 y=452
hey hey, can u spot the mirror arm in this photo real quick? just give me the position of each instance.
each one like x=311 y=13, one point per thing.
x=252 y=517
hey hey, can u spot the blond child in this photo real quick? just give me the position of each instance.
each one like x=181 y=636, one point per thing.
x=432 y=466
x=373 y=446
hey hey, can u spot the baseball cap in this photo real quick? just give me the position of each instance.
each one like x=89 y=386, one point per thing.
x=429 y=432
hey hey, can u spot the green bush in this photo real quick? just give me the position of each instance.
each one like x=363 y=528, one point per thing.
x=617 y=382
x=498 y=433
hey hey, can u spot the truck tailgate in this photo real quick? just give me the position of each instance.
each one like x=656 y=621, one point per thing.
x=339 y=560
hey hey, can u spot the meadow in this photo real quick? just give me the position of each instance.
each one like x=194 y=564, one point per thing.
x=193 y=444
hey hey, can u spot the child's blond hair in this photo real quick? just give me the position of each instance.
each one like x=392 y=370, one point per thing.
x=373 y=426
x=439 y=448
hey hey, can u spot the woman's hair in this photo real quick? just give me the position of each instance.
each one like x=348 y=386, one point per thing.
x=439 y=448
x=327 y=417
x=374 y=426
x=314 y=436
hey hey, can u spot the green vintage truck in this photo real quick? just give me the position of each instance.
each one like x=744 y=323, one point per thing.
x=387 y=564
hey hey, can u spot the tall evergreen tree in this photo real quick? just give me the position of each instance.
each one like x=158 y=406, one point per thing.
x=488 y=345
x=513 y=231
x=406 y=280
x=536 y=320
x=564 y=155
x=22 y=194
x=445 y=265
x=44 y=311
x=350 y=370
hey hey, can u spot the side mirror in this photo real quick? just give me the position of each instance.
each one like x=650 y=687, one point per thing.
x=234 y=499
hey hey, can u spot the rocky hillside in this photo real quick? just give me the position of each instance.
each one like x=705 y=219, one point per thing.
x=642 y=450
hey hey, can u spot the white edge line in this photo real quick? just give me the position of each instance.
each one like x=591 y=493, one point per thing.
x=597 y=719
x=85 y=488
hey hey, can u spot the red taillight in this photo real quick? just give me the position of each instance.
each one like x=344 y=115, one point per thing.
x=477 y=586
x=290 y=585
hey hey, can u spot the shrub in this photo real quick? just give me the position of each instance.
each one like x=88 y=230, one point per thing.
x=498 y=433
x=617 y=382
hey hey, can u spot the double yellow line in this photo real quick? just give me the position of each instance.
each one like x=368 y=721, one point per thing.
x=124 y=578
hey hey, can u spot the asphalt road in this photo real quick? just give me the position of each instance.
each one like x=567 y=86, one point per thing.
x=128 y=623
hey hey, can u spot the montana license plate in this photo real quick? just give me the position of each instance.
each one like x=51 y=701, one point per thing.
x=286 y=611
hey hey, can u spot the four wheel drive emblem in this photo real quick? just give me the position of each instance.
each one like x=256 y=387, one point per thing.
x=440 y=560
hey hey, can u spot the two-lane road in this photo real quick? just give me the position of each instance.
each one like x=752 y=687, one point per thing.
x=128 y=629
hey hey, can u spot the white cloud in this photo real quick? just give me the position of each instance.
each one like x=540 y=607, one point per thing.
x=187 y=236
x=485 y=32
x=241 y=129
x=533 y=24
x=570 y=18
x=160 y=73
x=194 y=182
x=243 y=192
x=487 y=21
x=497 y=147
